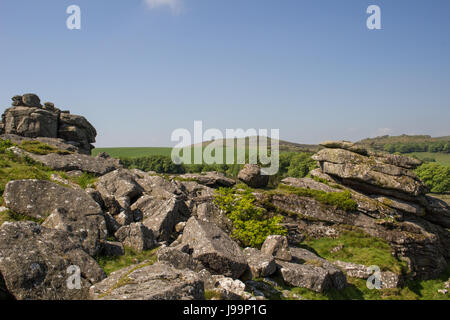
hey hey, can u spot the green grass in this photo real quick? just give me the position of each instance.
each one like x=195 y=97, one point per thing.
x=40 y=148
x=9 y=216
x=340 y=200
x=357 y=290
x=133 y=152
x=441 y=158
x=111 y=264
x=360 y=248
x=13 y=167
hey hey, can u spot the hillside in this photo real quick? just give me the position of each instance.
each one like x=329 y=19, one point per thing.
x=285 y=146
x=408 y=143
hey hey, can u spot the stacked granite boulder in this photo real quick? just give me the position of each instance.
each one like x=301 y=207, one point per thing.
x=28 y=118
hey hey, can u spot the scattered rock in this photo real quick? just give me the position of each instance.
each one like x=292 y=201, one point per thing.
x=230 y=289
x=388 y=279
x=113 y=249
x=179 y=259
x=251 y=175
x=157 y=281
x=277 y=246
x=260 y=264
x=209 y=179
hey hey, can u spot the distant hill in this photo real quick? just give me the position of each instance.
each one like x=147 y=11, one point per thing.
x=285 y=146
x=408 y=144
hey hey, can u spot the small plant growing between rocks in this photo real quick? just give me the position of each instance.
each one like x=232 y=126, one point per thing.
x=251 y=224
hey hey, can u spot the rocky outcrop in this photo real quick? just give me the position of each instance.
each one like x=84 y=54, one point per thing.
x=371 y=174
x=251 y=175
x=214 y=248
x=36 y=263
x=391 y=205
x=28 y=118
x=146 y=281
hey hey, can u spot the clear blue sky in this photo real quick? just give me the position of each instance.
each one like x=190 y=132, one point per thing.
x=310 y=68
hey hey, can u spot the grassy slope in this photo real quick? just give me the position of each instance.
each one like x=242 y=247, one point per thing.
x=381 y=141
x=133 y=152
x=441 y=158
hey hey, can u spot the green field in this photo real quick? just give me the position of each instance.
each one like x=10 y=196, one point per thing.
x=151 y=151
x=133 y=152
x=441 y=158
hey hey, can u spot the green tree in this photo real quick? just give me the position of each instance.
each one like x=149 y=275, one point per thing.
x=435 y=176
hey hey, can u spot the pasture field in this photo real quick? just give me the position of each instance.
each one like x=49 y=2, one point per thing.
x=133 y=152
x=441 y=158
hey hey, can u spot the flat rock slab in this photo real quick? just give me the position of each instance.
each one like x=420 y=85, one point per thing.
x=146 y=281
x=73 y=162
x=38 y=198
x=34 y=263
x=214 y=248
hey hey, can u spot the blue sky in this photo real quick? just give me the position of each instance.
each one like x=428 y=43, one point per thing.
x=311 y=68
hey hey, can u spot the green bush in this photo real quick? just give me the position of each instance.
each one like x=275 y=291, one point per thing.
x=159 y=164
x=251 y=224
x=435 y=176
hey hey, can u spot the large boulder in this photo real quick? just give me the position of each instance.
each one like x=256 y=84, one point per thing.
x=161 y=216
x=119 y=183
x=39 y=198
x=146 y=281
x=251 y=175
x=136 y=236
x=31 y=100
x=306 y=270
x=370 y=174
x=261 y=265
x=35 y=263
x=179 y=259
x=76 y=129
x=63 y=208
x=388 y=279
x=277 y=246
x=30 y=122
x=89 y=230
x=214 y=248
x=209 y=179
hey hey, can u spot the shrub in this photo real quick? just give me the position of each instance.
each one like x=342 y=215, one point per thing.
x=159 y=164
x=435 y=176
x=251 y=224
